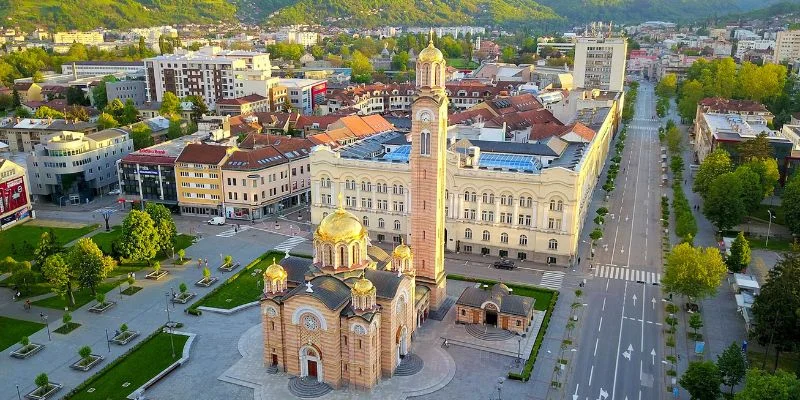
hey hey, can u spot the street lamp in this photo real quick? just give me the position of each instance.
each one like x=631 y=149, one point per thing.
x=18 y=395
x=169 y=325
x=769 y=226
x=519 y=348
x=44 y=317
x=106 y=215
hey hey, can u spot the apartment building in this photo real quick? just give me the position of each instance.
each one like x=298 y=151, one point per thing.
x=22 y=134
x=198 y=171
x=600 y=63
x=15 y=205
x=752 y=112
x=243 y=105
x=787 y=45
x=304 y=94
x=87 y=38
x=77 y=165
x=28 y=91
x=209 y=72
x=265 y=175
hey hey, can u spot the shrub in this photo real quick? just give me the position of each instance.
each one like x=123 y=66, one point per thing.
x=42 y=380
x=194 y=311
x=228 y=259
x=67 y=318
x=602 y=211
x=156 y=266
x=183 y=288
x=101 y=298
x=670 y=341
x=123 y=328
x=25 y=341
x=206 y=273
x=85 y=352
x=181 y=254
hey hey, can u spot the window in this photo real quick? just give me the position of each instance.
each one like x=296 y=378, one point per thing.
x=468 y=249
x=326 y=182
x=425 y=143
x=468 y=233
x=524 y=220
x=350 y=184
x=350 y=201
x=523 y=240
x=519 y=323
x=383 y=205
x=366 y=202
x=366 y=186
x=365 y=221
x=381 y=238
x=470 y=196
x=556 y=205
x=552 y=244
x=506 y=200
x=381 y=223
x=503 y=237
x=382 y=188
x=506 y=218
x=486 y=236
x=485 y=251
x=488 y=198
x=463 y=312
x=522 y=255
x=551 y=260
x=526 y=201
x=554 y=223
x=396 y=225
x=487 y=216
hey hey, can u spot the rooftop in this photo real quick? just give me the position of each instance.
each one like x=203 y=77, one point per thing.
x=199 y=153
x=739 y=127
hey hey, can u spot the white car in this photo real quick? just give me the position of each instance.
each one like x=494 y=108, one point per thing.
x=217 y=221
x=115 y=192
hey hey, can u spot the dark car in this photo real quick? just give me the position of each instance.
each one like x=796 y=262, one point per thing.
x=504 y=264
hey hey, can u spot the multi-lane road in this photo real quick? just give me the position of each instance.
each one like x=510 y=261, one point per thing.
x=620 y=342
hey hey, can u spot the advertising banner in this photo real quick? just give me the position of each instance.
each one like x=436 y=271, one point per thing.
x=12 y=195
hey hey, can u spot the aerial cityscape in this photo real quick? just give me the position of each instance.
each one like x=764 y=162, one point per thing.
x=470 y=199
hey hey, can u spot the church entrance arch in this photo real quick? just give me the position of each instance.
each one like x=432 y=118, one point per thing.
x=490 y=314
x=402 y=342
x=310 y=362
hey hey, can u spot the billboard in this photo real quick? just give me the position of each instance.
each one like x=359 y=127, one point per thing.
x=12 y=195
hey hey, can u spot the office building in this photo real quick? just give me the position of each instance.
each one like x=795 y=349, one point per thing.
x=600 y=63
x=199 y=178
x=22 y=134
x=787 y=45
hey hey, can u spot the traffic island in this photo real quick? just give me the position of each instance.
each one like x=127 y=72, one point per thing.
x=87 y=363
x=44 y=392
x=27 y=350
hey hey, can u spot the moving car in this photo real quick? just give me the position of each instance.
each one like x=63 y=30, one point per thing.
x=504 y=264
x=217 y=221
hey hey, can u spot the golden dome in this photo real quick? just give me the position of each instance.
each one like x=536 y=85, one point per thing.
x=275 y=272
x=430 y=54
x=340 y=226
x=402 y=251
x=363 y=286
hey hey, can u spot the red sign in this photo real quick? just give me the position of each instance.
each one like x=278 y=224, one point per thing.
x=152 y=151
x=12 y=195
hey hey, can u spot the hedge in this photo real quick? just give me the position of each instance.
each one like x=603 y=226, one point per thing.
x=528 y=369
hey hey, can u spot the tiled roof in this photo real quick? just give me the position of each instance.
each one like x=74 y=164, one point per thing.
x=250 y=160
x=498 y=294
x=385 y=282
x=252 y=98
x=328 y=289
x=296 y=268
x=306 y=121
x=23 y=85
x=719 y=104
x=199 y=153
x=149 y=159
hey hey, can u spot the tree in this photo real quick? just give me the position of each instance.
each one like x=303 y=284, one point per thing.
x=6 y=102
x=695 y=322
x=752 y=192
x=199 y=107
x=22 y=112
x=21 y=274
x=740 y=254
x=206 y=273
x=164 y=226
x=757 y=148
x=57 y=272
x=47 y=247
x=732 y=366
x=106 y=121
x=66 y=318
x=47 y=112
x=760 y=385
x=361 y=68
x=170 y=105
x=175 y=129
x=16 y=99
x=400 y=61
x=99 y=94
x=76 y=96
x=508 y=54
x=129 y=113
x=181 y=254
x=724 y=204
x=228 y=259
x=693 y=272
x=142 y=136
x=77 y=112
x=775 y=317
x=84 y=352
x=139 y=236
x=767 y=170
x=596 y=234
x=88 y=264
x=691 y=93
x=42 y=381
x=702 y=380
x=791 y=204
x=142 y=47
x=667 y=86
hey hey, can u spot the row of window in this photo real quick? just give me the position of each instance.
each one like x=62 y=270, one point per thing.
x=366 y=186
x=523 y=239
x=186 y=174
x=504 y=253
x=508 y=200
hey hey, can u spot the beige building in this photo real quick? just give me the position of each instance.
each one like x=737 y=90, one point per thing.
x=22 y=134
x=87 y=38
x=600 y=63
x=243 y=105
x=787 y=46
x=198 y=175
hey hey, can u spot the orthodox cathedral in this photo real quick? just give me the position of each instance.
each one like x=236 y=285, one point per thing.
x=346 y=317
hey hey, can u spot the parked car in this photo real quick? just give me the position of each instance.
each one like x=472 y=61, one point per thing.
x=504 y=264
x=217 y=221
x=114 y=192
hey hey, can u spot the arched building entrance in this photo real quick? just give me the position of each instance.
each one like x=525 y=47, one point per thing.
x=310 y=362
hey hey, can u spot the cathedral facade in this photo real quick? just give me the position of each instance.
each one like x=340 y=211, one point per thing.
x=346 y=317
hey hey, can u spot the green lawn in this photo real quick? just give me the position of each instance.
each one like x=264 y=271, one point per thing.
x=136 y=368
x=461 y=63
x=12 y=330
x=104 y=239
x=240 y=289
x=542 y=296
x=763 y=214
x=787 y=361
x=82 y=297
x=19 y=241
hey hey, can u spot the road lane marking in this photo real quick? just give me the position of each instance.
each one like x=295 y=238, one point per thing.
x=619 y=340
x=596 y=341
x=601 y=324
x=604 y=303
x=591 y=373
x=641 y=345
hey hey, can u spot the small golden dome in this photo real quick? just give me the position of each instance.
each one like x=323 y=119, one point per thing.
x=402 y=251
x=275 y=272
x=430 y=54
x=363 y=286
x=340 y=226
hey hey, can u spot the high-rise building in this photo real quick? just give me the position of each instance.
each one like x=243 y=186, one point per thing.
x=600 y=63
x=787 y=45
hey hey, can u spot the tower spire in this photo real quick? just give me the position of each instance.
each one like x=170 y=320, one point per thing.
x=430 y=37
x=341 y=203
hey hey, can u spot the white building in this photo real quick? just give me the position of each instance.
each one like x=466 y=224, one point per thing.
x=87 y=38
x=787 y=45
x=95 y=68
x=305 y=94
x=600 y=63
x=292 y=35
x=757 y=44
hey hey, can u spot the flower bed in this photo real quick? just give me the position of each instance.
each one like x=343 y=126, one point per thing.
x=67 y=328
x=182 y=262
x=206 y=282
x=99 y=308
x=183 y=297
x=229 y=267
x=156 y=275
x=44 y=392
x=87 y=363
x=27 y=351
x=125 y=337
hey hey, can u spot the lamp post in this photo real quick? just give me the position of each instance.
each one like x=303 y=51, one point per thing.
x=44 y=317
x=169 y=325
x=106 y=215
x=18 y=395
x=519 y=348
x=769 y=226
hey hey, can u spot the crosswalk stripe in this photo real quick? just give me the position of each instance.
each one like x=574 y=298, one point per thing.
x=633 y=275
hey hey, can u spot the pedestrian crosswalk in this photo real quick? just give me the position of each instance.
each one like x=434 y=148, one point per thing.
x=627 y=274
x=290 y=243
x=552 y=280
x=233 y=231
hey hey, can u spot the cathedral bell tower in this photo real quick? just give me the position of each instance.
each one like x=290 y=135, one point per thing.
x=427 y=161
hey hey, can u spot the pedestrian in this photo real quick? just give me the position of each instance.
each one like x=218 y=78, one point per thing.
x=579 y=261
x=684 y=181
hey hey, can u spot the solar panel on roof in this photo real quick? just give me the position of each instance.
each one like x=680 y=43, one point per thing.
x=509 y=161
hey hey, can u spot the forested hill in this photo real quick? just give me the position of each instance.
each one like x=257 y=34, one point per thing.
x=631 y=11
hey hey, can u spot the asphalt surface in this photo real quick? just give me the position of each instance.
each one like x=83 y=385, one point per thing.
x=620 y=340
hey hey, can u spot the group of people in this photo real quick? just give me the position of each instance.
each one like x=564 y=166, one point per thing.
x=200 y=262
